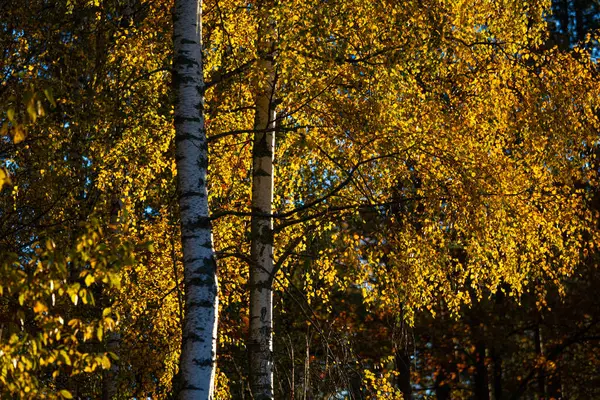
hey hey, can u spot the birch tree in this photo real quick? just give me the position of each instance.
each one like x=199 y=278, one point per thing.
x=261 y=269
x=198 y=353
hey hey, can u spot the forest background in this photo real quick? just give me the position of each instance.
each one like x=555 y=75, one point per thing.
x=433 y=217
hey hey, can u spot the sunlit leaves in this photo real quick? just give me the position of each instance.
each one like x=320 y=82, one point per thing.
x=46 y=334
x=445 y=153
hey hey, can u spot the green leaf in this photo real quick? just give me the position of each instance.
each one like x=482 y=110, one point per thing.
x=50 y=97
x=31 y=111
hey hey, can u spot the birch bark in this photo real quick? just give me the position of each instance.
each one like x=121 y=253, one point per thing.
x=261 y=268
x=198 y=352
x=110 y=386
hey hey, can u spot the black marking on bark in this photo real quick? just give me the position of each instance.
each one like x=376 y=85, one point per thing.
x=190 y=193
x=186 y=136
x=263 y=313
x=265 y=235
x=191 y=388
x=187 y=61
x=266 y=285
x=201 y=304
x=261 y=172
x=178 y=79
x=204 y=144
x=203 y=362
x=189 y=237
x=205 y=280
x=261 y=149
x=207 y=244
x=204 y=269
x=187 y=41
x=179 y=119
x=203 y=163
x=193 y=337
x=200 y=223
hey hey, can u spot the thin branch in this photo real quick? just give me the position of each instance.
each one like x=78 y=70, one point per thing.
x=222 y=255
x=288 y=251
x=313 y=203
x=224 y=76
x=340 y=209
x=556 y=351
x=243 y=131
x=339 y=187
x=146 y=75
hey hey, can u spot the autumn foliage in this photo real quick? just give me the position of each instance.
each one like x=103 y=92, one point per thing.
x=435 y=206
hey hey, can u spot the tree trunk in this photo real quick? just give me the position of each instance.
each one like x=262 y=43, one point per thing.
x=579 y=20
x=261 y=269
x=442 y=389
x=541 y=375
x=403 y=368
x=481 y=372
x=198 y=352
x=110 y=377
x=496 y=374
x=113 y=339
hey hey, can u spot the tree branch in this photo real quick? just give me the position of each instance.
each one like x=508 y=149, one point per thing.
x=288 y=251
x=223 y=76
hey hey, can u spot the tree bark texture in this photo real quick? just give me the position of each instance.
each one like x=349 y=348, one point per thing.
x=110 y=384
x=261 y=269
x=198 y=352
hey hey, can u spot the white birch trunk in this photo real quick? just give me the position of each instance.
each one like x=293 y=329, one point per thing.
x=113 y=339
x=261 y=269
x=198 y=352
x=110 y=377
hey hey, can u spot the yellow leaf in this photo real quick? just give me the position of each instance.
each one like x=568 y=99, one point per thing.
x=105 y=362
x=19 y=135
x=39 y=307
x=4 y=178
x=66 y=394
x=65 y=357
x=31 y=111
x=50 y=97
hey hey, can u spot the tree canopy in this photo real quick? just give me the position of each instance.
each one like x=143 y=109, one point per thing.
x=402 y=199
